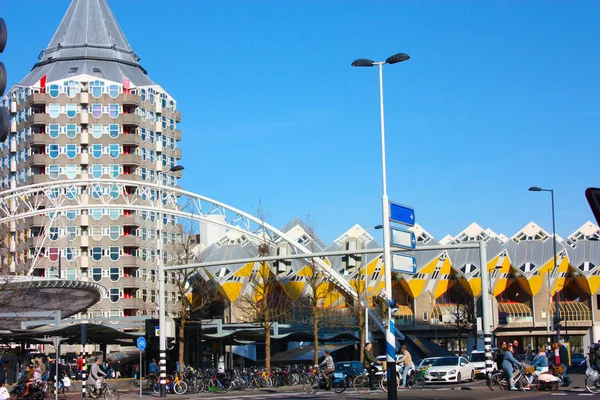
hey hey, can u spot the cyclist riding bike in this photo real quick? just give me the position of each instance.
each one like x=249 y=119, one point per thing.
x=94 y=377
x=328 y=364
x=368 y=361
x=406 y=359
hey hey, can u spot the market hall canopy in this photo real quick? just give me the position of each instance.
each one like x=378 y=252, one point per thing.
x=21 y=295
x=96 y=334
x=244 y=336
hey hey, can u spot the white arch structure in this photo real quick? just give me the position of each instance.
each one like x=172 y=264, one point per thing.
x=67 y=195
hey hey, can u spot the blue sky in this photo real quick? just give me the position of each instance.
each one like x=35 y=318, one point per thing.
x=498 y=96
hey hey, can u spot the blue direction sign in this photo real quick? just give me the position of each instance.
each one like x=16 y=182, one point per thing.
x=404 y=264
x=402 y=214
x=141 y=343
x=403 y=239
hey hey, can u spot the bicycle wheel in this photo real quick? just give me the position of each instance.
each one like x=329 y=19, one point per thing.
x=534 y=386
x=156 y=387
x=592 y=386
x=497 y=382
x=310 y=384
x=360 y=383
x=383 y=383
x=419 y=381
x=111 y=393
x=150 y=383
x=338 y=384
x=180 y=387
x=64 y=390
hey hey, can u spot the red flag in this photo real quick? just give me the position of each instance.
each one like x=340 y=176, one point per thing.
x=42 y=83
x=126 y=84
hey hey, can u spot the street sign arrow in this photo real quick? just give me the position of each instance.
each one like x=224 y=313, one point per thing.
x=404 y=264
x=402 y=214
x=141 y=343
x=403 y=239
x=593 y=197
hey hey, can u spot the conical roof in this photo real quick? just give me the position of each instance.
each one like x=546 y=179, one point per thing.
x=89 y=41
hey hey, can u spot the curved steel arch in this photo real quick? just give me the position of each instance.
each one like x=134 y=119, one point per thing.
x=78 y=194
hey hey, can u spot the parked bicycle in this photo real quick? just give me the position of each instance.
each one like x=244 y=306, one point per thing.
x=174 y=384
x=592 y=378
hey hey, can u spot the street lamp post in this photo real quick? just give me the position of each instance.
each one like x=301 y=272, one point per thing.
x=162 y=346
x=556 y=309
x=387 y=251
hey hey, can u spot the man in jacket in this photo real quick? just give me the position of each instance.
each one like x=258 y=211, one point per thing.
x=564 y=360
x=95 y=373
x=368 y=360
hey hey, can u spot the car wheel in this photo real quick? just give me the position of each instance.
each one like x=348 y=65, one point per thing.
x=458 y=378
x=472 y=376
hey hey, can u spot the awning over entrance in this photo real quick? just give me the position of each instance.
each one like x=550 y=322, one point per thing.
x=96 y=334
x=572 y=311
x=404 y=311
x=243 y=336
x=515 y=309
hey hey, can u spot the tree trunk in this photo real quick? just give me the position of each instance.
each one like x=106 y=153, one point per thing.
x=268 y=347
x=361 y=329
x=182 y=336
x=316 y=335
x=363 y=334
x=267 y=326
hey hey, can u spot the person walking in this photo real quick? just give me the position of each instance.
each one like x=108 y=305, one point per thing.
x=95 y=373
x=508 y=364
x=368 y=360
x=563 y=352
x=118 y=369
x=79 y=365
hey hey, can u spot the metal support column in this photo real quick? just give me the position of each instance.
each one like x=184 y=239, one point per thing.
x=486 y=308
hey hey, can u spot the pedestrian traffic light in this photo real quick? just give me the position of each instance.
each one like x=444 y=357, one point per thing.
x=4 y=116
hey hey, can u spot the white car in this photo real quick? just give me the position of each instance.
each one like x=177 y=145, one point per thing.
x=450 y=369
x=477 y=358
x=425 y=363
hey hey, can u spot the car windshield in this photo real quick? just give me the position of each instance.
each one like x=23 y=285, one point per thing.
x=477 y=357
x=577 y=355
x=445 y=361
x=428 y=361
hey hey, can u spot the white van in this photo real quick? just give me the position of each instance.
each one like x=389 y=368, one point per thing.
x=477 y=358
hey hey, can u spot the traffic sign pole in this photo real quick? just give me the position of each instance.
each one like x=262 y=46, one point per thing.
x=141 y=345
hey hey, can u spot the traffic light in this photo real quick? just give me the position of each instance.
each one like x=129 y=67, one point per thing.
x=502 y=318
x=170 y=343
x=393 y=304
x=4 y=116
x=556 y=323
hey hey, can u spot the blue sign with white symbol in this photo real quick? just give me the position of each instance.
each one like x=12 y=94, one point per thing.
x=141 y=343
x=404 y=264
x=402 y=214
x=403 y=239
